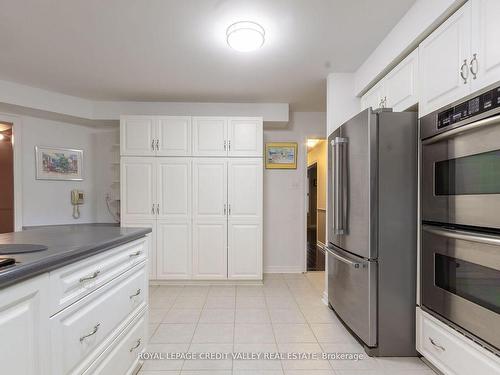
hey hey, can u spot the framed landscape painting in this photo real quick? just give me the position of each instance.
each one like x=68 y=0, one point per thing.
x=58 y=164
x=281 y=155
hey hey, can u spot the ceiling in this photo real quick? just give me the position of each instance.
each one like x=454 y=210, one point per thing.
x=166 y=50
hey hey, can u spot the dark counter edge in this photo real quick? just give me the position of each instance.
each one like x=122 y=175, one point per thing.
x=60 y=260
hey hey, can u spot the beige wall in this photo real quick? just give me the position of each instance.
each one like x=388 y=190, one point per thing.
x=319 y=154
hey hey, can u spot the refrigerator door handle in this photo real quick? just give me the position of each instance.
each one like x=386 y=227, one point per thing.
x=339 y=185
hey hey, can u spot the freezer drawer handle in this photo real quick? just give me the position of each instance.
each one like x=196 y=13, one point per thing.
x=345 y=260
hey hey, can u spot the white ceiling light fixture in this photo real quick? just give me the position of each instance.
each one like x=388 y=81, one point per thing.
x=245 y=36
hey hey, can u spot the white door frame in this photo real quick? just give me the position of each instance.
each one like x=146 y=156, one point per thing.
x=18 y=167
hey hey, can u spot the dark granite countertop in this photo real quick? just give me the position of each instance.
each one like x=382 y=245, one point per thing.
x=66 y=244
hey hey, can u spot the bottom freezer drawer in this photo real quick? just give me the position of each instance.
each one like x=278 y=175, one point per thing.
x=352 y=292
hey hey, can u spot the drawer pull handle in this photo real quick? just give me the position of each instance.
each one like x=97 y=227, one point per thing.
x=94 y=331
x=136 y=254
x=93 y=276
x=135 y=294
x=436 y=345
x=137 y=344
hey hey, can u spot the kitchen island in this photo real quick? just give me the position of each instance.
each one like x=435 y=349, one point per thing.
x=78 y=305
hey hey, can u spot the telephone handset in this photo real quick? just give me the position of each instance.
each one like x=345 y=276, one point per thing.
x=76 y=200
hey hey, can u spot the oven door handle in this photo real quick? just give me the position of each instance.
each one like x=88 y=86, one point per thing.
x=473 y=125
x=463 y=235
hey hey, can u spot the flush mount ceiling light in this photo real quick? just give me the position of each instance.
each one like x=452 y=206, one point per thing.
x=245 y=36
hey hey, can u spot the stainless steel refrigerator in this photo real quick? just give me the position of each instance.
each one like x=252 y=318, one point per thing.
x=372 y=213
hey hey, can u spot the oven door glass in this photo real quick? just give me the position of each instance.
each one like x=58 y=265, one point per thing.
x=461 y=178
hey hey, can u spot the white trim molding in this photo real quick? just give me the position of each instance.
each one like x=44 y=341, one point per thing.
x=284 y=269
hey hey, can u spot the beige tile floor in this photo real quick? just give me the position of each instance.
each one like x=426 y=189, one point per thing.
x=286 y=314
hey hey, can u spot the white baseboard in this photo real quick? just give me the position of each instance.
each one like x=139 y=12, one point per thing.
x=205 y=282
x=283 y=269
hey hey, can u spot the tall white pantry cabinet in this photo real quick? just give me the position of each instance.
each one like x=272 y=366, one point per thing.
x=197 y=182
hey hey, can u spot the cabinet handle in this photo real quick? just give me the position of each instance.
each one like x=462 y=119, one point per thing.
x=225 y=209
x=158 y=209
x=229 y=144
x=93 y=276
x=153 y=209
x=473 y=63
x=137 y=344
x=225 y=144
x=436 y=345
x=229 y=209
x=135 y=294
x=157 y=144
x=463 y=69
x=136 y=254
x=94 y=331
x=153 y=145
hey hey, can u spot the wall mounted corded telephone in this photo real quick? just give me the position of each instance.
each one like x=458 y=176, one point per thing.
x=76 y=200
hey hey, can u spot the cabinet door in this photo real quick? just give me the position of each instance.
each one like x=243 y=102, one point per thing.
x=373 y=97
x=137 y=135
x=138 y=188
x=209 y=189
x=174 y=249
x=245 y=137
x=245 y=188
x=174 y=136
x=150 y=243
x=400 y=85
x=174 y=188
x=24 y=323
x=244 y=249
x=485 y=45
x=209 y=136
x=210 y=249
x=443 y=60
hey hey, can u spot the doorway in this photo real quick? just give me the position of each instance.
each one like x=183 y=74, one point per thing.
x=316 y=204
x=7 y=223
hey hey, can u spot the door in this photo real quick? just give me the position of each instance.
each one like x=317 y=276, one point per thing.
x=24 y=323
x=244 y=249
x=151 y=242
x=245 y=137
x=401 y=84
x=352 y=204
x=245 y=188
x=373 y=98
x=210 y=136
x=209 y=189
x=485 y=63
x=210 y=249
x=352 y=292
x=444 y=58
x=174 y=249
x=138 y=188
x=174 y=136
x=174 y=188
x=137 y=136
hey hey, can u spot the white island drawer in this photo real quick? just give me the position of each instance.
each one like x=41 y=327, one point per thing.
x=121 y=357
x=82 y=331
x=72 y=282
x=451 y=352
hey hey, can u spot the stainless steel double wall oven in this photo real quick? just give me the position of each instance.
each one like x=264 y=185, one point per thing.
x=460 y=197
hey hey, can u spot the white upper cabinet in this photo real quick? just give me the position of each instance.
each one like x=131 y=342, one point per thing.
x=373 y=97
x=444 y=62
x=210 y=136
x=209 y=189
x=138 y=188
x=137 y=135
x=485 y=58
x=245 y=137
x=173 y=136
x=174 y=249
x=401 y=84
x=245 y=188
x=174 y=188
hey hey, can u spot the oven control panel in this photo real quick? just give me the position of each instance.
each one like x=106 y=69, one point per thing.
x=472 y=107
